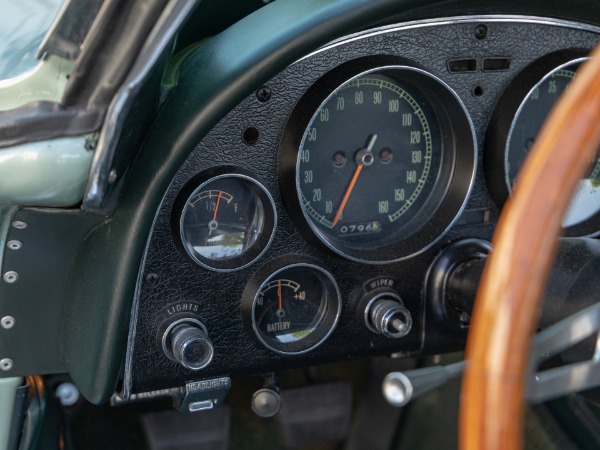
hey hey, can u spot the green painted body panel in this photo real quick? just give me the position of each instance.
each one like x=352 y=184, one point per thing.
x=46 y=81
x=46 y=173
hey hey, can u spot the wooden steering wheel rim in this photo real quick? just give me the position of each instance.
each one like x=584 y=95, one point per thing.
x=508 y=302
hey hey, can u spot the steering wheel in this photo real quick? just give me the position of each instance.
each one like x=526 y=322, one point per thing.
x=509 y=299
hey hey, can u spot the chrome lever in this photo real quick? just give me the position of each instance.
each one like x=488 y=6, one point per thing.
x=558 y=381
x=399 y=388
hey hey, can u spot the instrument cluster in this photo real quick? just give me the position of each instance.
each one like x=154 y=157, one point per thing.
x=303 y=228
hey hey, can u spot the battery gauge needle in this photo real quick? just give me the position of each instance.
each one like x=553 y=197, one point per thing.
x=213 y=224
x=364 y=158
x=280 y=311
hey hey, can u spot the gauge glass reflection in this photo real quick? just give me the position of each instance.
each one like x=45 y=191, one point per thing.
x=527 y=123
x=224 y=218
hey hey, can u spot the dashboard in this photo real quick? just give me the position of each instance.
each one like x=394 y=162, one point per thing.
x=319 y=219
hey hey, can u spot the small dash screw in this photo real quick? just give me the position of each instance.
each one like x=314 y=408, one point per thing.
x=263 y=94
x=152 y=279
x=481 y=31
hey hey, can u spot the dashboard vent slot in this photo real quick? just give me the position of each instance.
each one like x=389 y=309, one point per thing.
x=462 y=65
x=496 y=64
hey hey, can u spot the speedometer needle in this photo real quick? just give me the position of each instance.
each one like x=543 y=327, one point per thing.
x=347 y=195
x=361 y=161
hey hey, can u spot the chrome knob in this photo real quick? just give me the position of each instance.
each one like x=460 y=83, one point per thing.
x=387 y=315
x=190 y=346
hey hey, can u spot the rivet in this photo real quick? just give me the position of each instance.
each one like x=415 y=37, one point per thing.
x=11 y=277
x=8 y=322
x=14 y=245
x=6 y=364
x=19 y=225
x=112 y=176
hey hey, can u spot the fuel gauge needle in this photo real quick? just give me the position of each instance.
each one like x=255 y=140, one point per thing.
x=217 y=206
x=361 y=161
x=213 y=224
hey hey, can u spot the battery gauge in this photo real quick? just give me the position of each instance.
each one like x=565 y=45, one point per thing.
x=295 y=309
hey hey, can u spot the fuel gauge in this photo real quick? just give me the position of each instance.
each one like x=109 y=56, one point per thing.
x=227 y=222
x=295 y=309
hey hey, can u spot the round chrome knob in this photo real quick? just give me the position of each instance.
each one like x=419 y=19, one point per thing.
x=190 y=346
x=266 y=402
x=387 y=315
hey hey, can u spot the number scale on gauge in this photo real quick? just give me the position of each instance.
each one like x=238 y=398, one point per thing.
x=295 y=308
x=366 y=157
x=377 y=159
x=585 y=203
x=286 y=313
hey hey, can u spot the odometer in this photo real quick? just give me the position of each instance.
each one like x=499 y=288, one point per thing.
x=375 y=162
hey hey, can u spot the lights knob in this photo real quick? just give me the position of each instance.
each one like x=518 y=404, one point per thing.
x=387 y=315
x=190 y=346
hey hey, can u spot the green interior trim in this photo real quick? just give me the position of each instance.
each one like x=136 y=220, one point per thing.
x=7 y=401
x=6 y=213
x=172 y=72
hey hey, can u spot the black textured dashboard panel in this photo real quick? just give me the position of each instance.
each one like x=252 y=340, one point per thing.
x=171 y=284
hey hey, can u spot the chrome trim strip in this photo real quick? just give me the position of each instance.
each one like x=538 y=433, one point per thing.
x=493 y=18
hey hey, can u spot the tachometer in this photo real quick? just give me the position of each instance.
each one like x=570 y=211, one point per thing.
x=376 y=161
x=528 y=116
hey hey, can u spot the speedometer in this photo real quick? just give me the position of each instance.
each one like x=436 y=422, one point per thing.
x=370 y=156
x=377 y=159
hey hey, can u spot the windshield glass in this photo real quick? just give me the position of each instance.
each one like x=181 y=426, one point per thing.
x=23 y=25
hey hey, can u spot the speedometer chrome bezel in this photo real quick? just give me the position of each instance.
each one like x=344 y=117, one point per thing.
x=457 y=164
